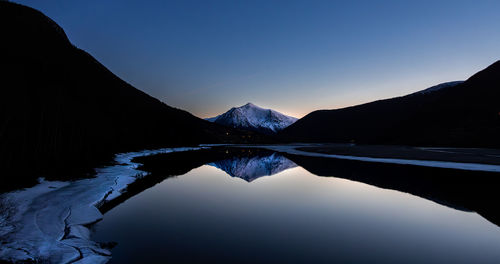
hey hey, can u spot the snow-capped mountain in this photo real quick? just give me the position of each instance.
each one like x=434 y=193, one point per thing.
x=252 y=117
x=251 y=168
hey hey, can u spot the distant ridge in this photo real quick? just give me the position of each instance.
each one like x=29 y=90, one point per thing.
x=254 y=118
x=451 y=114
x=439 y=86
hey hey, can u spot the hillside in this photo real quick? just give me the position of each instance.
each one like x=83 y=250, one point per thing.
x=62 y=112
x=464 y=114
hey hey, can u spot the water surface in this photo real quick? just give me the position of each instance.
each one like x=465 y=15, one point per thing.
x=294 y=216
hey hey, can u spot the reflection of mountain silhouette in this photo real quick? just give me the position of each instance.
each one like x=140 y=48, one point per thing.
x=459 y=189
x=165 y=165
x=253 y=167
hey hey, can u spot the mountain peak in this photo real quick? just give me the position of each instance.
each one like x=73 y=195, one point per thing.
x=250 y=105
x=255 y=118
x=24 y=26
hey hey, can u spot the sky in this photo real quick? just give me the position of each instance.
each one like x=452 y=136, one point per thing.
x=292 y=56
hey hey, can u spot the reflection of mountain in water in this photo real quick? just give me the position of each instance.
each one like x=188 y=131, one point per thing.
x=474 y=190
x=251 y=168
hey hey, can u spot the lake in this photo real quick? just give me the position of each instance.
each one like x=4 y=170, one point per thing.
x=268 y=208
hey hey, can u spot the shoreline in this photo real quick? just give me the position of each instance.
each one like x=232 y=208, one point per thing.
x=459 y=155
x=50 y=221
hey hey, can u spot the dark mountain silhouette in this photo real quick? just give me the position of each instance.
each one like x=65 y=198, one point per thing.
x=62 y=112
x=465 y=114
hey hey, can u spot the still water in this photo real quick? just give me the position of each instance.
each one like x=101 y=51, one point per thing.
x=232 y=212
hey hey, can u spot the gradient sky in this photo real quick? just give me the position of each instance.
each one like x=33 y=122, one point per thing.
x=292 y=56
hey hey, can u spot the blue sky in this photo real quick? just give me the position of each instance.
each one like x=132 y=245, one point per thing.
x=292 y=56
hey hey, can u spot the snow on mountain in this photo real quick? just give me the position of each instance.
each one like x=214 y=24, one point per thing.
x=439 y=86
x=251 y=168
x=252 y=117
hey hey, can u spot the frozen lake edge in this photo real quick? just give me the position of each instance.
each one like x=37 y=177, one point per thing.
x=50 y=221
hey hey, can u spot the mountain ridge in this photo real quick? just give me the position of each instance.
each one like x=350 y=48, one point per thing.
x=438 y=87
x=62 y=113
x=465 y=114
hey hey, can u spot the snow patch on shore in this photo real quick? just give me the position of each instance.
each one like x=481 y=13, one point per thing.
x=48 y=223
